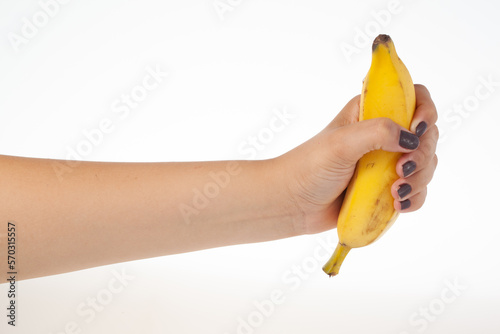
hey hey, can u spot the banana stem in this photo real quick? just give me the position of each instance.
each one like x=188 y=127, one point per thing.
x=332 y=267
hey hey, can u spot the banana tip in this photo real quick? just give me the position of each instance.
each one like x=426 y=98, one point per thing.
x=331 y=269
x=380 y=39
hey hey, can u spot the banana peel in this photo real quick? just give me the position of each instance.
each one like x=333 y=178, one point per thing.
x=368 y=211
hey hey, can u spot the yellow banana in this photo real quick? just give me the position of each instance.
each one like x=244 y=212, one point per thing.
x=368 y=207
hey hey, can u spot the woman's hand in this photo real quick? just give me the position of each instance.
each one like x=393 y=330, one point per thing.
x=323 y=166
x=143 y=210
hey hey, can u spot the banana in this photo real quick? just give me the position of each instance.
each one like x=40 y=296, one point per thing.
x=368 y=208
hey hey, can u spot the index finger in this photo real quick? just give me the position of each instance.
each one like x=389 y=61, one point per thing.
x=425 y=111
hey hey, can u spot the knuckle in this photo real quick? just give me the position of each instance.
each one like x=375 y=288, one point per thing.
x=435 y=129
x=427 y=148
x=419 y=204
x=356 y=100
x=423 y=197
x=420 y=199
x=419 y=156
x=422 y=88
x=384 y=127
x=420 y=159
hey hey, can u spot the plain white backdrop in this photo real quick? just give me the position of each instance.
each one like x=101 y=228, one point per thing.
x=228 y=67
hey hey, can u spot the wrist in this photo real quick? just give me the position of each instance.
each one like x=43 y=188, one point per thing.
x=244 y=202
x=279 y=200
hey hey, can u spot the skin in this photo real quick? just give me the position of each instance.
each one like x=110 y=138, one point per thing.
x=101 y=213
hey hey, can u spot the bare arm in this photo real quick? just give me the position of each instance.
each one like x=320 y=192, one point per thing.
x=103 y=213
x=100 y=213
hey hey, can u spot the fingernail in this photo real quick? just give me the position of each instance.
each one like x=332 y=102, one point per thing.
x=404 y=190
x=409 y=167
x=408 y=140
x=421 y=127
x=405 y=204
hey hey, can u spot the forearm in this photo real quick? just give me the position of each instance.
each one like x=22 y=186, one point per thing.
x=103 y=213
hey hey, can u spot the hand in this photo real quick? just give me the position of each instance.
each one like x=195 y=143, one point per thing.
x=205 y=204
x=324 y=165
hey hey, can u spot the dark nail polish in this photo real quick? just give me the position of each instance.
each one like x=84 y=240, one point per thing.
x=405 y=204
x=421 y=127
x=408 y=140
x=404 y=190
x=409 y=167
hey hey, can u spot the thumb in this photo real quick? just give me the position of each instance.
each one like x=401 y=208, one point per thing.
x=355 y=140
x=348 y=115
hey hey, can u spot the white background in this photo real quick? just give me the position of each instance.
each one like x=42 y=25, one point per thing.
x=226 y=73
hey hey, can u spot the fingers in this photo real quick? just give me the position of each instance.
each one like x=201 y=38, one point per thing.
x=416 y=170
x=351 y=142
x=425 y=111
x=352 y=139
x=411 y=204
x=405 y=188
x=415 y=161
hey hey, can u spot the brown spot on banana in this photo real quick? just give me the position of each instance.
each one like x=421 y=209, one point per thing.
x=381 y=39
x=375 y=221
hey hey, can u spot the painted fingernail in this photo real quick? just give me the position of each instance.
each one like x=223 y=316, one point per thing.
x=409 y=167
x=408 y=140
x=405 y=204
x=404 y=190
x=421 y=127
